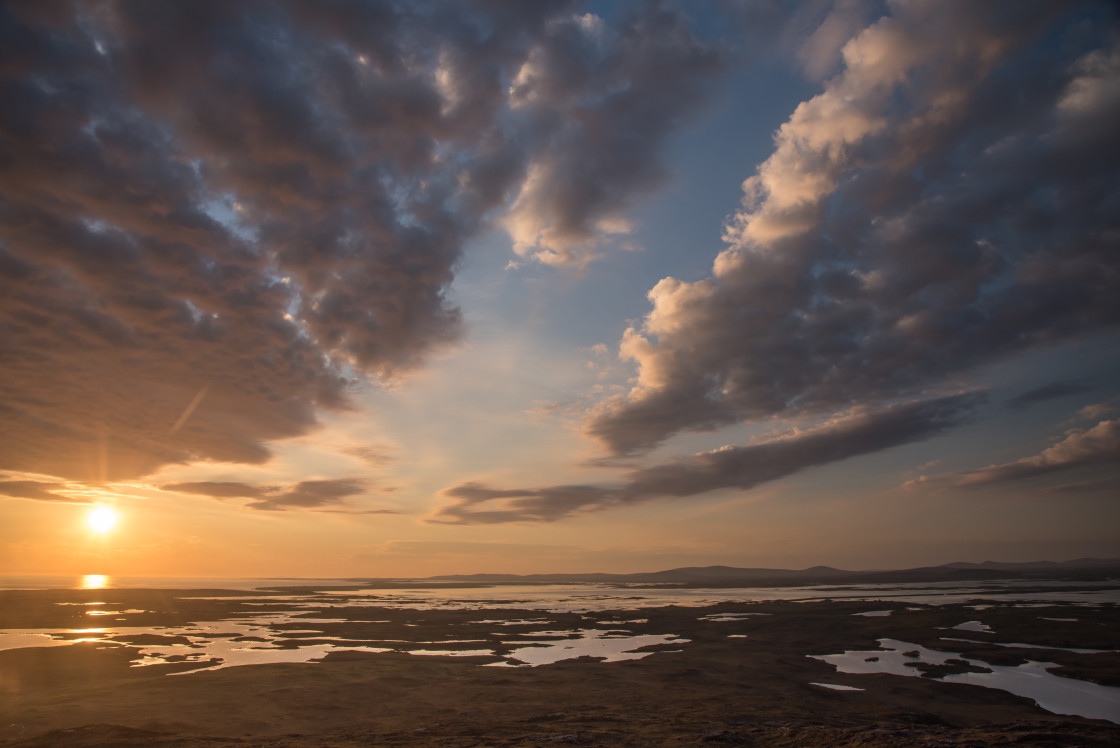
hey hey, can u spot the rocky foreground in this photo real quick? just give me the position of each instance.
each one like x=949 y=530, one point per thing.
x=755 y=688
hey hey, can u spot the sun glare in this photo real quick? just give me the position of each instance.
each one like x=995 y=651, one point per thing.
x=101 y=519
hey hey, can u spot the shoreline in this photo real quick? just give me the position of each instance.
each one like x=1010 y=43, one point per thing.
x=733 y=672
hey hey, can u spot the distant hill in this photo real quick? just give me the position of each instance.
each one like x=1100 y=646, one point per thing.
x=730 y=576
x=1081 y=563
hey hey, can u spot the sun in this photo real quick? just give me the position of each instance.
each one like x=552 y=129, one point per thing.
x=101 y=519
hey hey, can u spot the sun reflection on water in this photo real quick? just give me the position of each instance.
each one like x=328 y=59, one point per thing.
x=95 y=581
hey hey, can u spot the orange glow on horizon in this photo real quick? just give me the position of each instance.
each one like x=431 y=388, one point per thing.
x=95 y=582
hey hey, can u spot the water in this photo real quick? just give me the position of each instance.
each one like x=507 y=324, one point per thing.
x=589 y=597
x=974 y=626
x=596 y=597
x=104 y=581
x=1018 y=645
x=610 y=645
x=836 y=687
x=730 y=616
x=292 y=627
x=254 y=639
x=1032 y=680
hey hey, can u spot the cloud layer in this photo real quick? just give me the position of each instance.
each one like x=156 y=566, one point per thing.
x=36 y=490
x=951 y=197
x=322 y=495
x=1051 y=391
x=860 y=431
x=1099 y=445
x=603 y=101
x=215 y=216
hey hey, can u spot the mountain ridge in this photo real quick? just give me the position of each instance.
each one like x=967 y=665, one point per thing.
x=720 y=575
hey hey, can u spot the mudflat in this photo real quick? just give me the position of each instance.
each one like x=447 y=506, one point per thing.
x=724 y=677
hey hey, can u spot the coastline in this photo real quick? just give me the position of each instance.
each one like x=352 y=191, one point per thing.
x=733 y=672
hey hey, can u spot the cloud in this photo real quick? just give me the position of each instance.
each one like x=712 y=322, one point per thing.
x=1051 y=391
x=603 y=102
x=220 y=489
x=1099 y=445
x=318 y=495
x=950 y=198
x=1095 y=411
x=476 y=503
x=439 y=548
x=38 y=490
x=376 y=456
x=216 y=218
x=1110 y=484
x=857 y=432
x=809 y=34
x=821 y=51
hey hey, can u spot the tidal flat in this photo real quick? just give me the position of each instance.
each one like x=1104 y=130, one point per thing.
x=549 y=664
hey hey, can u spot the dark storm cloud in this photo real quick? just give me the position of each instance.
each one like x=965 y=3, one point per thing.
x=951 y=197
x=38 y=490
x=214 y=216
x=308 y=494
x=861 y=431
x=1051 y=391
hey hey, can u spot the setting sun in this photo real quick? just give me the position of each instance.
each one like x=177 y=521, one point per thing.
x=101 y=519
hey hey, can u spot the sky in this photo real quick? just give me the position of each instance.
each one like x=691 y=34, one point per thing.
x=379 y=288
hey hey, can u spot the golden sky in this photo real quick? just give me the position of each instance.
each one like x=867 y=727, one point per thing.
x=372 y=289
